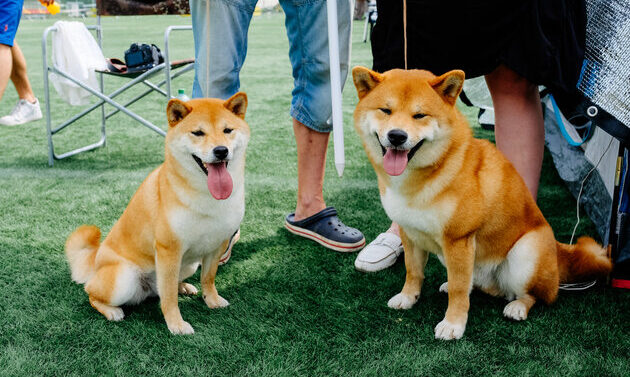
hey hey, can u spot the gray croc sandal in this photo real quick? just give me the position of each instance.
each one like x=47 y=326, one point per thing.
x=326 y=229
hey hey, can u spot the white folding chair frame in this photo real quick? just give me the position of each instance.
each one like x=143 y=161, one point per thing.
x=371 y=8
x=104 y=98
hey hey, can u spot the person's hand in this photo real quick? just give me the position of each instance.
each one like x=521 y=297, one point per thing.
x=46 y=2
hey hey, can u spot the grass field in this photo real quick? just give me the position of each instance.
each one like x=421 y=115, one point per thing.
x=296 y=308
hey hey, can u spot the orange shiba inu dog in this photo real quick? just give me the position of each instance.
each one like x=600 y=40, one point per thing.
x=460 y=198
x=184 y=214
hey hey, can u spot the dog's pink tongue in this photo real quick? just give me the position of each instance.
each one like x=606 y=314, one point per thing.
x=219 y=181
x=395 y=161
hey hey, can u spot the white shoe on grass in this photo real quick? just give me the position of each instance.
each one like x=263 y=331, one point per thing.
x=23 y=112
x=380 y=253
x=228 y=253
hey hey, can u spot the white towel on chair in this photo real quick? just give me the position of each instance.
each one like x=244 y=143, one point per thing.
x=76 y=53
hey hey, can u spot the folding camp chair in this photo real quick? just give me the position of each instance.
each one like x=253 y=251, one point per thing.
x=604 y=83
x=171 y=70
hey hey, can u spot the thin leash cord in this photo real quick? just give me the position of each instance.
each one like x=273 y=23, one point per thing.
x=405 y=29
x=584 y=285
x=577 y=286
x=206 y=89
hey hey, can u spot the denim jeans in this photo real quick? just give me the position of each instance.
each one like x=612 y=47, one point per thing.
x=220 y=32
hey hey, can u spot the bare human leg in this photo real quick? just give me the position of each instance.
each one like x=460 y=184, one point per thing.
x=520 y=132
x=19 y=75
x=6 y=63
x=311 y=156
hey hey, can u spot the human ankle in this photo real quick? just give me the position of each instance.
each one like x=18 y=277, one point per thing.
x=30 y=99
x=306 y=209
x=394 y=229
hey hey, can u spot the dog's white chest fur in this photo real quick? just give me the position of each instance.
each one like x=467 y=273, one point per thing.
x=428 y=220
x=204 y=228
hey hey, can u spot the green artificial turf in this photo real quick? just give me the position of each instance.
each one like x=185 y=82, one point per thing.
x=296 y=308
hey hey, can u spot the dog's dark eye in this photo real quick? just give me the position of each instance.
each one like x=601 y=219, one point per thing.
x=198 y=133
x=386 y=110
x=419 y=116
x=227 y=130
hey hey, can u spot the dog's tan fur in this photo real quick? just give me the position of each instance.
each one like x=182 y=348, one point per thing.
x=461 y=199
x=172 y=224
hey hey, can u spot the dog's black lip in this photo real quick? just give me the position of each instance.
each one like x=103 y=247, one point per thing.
x=379 y=143
x=412 y=151
x=203 y=167
x=200 y=163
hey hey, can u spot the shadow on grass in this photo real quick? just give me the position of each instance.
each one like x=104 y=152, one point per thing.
x=89 y=161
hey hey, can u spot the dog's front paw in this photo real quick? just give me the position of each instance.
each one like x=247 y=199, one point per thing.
x=187 y=289
x=402 y=301
x=181 y=328
x=215 y=302
x=446 y=330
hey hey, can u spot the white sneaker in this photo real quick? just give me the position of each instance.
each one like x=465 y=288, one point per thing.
x=228 y=253
x=23 y=112
x=380 y=253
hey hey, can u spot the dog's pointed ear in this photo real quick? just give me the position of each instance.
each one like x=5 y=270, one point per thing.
x=176 y=110
x=365 y=80
x=449 y=85
x=237 y=104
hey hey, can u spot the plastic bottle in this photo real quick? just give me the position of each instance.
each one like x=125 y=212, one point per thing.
x=53 y=8
x=181 y=95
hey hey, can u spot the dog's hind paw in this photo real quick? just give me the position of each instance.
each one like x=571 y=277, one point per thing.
x=114 y=314
x=515 y=310
x=181 y=328
x=446 y=330
x=402 y=301
x=216 y=302
x=444 y=287
x=187 y=289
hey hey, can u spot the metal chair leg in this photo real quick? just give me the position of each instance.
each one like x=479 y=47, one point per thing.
x=167 y=57
x=51 y=159
x=52 y=156
x=99 y=33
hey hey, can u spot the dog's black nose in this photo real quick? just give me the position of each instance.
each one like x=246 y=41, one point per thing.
x=220 y=152
x=397 y=137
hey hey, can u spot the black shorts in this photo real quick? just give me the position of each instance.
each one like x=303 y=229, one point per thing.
x=542 y=40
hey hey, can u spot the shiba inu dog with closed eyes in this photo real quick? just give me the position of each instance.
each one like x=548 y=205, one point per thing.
x=460 y=198
x=184 y=214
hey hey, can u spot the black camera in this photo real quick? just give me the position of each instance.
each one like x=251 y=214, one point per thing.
x=140 y=57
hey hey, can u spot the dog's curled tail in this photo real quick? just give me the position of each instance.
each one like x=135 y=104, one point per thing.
x=81 y=247
x=586 y=260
